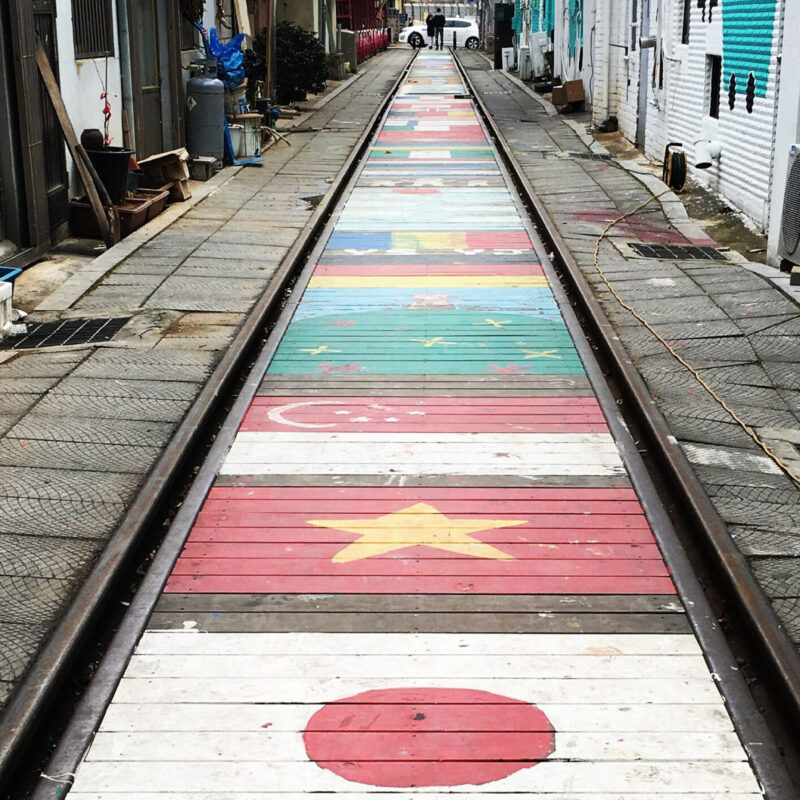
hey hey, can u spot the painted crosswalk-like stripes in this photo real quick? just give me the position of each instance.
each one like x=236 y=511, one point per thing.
x=423 y=570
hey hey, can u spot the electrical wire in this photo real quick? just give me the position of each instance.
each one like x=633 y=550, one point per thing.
x=671 y=350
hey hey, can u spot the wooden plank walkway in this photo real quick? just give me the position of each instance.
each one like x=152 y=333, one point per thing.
x=423 y=569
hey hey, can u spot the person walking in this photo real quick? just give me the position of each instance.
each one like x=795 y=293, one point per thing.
x=431 y=30
x=438 y=25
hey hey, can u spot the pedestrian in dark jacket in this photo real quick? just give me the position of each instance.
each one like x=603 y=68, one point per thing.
x=438 y=24
x=431 y=30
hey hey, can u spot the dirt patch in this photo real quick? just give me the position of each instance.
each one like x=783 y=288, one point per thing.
x=62 y=262
x=721 y=221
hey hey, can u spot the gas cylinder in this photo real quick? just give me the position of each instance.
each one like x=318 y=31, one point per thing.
x=205 y=113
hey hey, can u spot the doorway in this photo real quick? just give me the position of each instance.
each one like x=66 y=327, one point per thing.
x=55 y=163
x=146 y=73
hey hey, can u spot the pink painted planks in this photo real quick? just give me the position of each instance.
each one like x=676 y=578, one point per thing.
x=440 y=414
x=425 y=269
x=419 y=540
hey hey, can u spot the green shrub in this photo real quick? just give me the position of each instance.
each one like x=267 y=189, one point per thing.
x=301 y=66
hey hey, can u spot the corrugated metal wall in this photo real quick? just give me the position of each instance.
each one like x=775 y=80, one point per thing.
x=745 y=33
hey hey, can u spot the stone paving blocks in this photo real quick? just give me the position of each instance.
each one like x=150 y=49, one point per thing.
x=40 y=556
x=91 y=420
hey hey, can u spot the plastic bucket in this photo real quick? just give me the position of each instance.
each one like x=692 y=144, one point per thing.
x=236 y=139
x=112 y=165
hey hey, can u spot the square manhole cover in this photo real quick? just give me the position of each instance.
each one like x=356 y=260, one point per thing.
x=677 y=252
x=64 y=332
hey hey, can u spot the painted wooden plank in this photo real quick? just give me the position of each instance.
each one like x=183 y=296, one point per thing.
x=405 y=795
x=642 y=777
x=459 y=501
x=522 y=552
x=292 y=690
x=409 y=623
x=554 y=495
x=287 y=747
x=380 y=604
x=444 y=414
x=434 y=667
x=424 y=281
x=428 y=269
x=209 y=531
x=415 y=584
x=242 y=518
x=308 y=644
x=596 y=719
x=322 y=562
x=490 y=454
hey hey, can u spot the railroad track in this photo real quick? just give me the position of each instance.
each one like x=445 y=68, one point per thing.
x=765 y=645
x=429 y=602
x=74 y=644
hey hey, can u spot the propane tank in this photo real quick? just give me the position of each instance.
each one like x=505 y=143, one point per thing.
x=205 y=113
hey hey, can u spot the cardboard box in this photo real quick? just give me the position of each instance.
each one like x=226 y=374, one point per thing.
x=165 y=167
x=559 y=96
x=180 y=191
x=574 y=91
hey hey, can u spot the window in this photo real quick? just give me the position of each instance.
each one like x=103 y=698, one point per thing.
x=714 y=77
x=190 y=39
x=687 y=21
x=93 y=28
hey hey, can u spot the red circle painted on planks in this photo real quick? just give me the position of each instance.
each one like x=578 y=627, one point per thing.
x=428 y=737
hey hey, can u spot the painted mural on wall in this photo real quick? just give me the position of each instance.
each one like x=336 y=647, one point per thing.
x=575 y=26
x=747 y=34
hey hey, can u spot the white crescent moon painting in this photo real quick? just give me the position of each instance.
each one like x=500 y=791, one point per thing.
x=277 y=414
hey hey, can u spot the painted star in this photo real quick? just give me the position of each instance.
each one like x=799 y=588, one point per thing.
x=510 y=369
x=541 y=354
x=432 y=342
x=494 y=323
x=317 y=351
x=420 y=524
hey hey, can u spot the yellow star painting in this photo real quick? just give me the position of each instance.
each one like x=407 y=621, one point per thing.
x=419 y=524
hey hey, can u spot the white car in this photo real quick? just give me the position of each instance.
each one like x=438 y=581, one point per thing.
x=466 y=34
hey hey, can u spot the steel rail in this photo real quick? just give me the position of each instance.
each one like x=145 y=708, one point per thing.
x=739 y=584
x=25 y=715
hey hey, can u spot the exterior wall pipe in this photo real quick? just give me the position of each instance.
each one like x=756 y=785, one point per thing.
x=125 y=68
x=605 y=10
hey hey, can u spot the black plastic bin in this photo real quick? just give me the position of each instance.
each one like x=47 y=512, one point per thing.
x=112 y=165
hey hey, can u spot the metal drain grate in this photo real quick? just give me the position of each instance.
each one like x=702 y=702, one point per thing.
x=679 y=252
x=589 y=156
x=68 y=331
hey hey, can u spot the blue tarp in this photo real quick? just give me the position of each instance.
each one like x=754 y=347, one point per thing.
x=229 y=56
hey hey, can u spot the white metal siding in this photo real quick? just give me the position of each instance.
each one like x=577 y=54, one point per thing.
x=679 y=111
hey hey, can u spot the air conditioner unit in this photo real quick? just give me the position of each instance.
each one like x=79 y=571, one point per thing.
x=525 y=65
x=789 y=243
x=539 y=44
x=508 y=58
